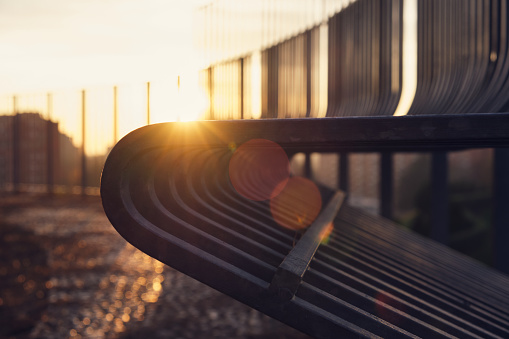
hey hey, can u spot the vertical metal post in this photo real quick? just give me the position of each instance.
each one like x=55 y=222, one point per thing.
x=275 y=71
x=386 y=185
x=115 y=115
x=307 y=166
x=500 y=209
x=211 y=93
x=439 y=198
x=148 y=103
x=272 y=84
x=16 y=139
x=308 y=73
x=50 y=151
x=343 y=172
x=242 y=88
x=83 y=139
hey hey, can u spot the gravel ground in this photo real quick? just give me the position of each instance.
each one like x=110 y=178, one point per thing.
x=65 y=272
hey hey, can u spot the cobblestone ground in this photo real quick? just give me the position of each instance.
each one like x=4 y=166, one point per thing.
x=65 y=272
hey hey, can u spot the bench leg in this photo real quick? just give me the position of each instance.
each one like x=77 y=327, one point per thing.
x=439 y=198
x=343 y=172
x=386 y=185
x=501 y=209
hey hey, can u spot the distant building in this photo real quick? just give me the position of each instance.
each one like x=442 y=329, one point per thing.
x=30 y=146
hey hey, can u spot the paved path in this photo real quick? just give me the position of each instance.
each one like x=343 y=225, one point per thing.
x=65 y=272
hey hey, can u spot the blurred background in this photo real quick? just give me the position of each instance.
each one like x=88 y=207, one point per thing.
x=76 y=76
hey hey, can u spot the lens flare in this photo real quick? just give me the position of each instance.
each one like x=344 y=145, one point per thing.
x=298 y=204
x=259 y=169
x=386 y=314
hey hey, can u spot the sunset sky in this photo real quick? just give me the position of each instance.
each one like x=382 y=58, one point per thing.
x=55 y=44
x=65 y=46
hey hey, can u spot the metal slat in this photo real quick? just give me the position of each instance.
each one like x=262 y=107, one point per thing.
x=322 y=273
x=412 y=323
x=403 y=244
x=406 y=287
x=420 y=274
x=291 y=271
x=420 y=291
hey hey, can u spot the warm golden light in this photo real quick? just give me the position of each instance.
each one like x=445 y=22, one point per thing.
x=53 y=52
x=55 y=44
x=178 y=100
x=256 y=85
x=409 y=62
x=259 y=169
x=325 y=235
x=298 y=204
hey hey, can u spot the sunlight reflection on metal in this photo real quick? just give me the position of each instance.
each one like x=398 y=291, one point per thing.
x=409 y=63
x=326 y=234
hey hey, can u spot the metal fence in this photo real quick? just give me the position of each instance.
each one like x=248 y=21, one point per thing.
x=58 y=141
x=362 y=58
x=281 y=59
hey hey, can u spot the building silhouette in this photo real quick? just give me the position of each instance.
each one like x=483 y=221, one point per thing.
x=33 y=152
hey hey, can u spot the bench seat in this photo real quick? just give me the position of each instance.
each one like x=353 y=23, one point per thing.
x=167 y=189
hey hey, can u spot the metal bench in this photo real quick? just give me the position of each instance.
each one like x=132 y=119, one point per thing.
x=170 y=190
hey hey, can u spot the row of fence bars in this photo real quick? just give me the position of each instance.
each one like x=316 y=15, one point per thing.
x=51 y=149
x=440 y=209
x=439 y=172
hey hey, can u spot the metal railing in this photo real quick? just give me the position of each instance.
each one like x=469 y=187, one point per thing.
x=58 y=141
